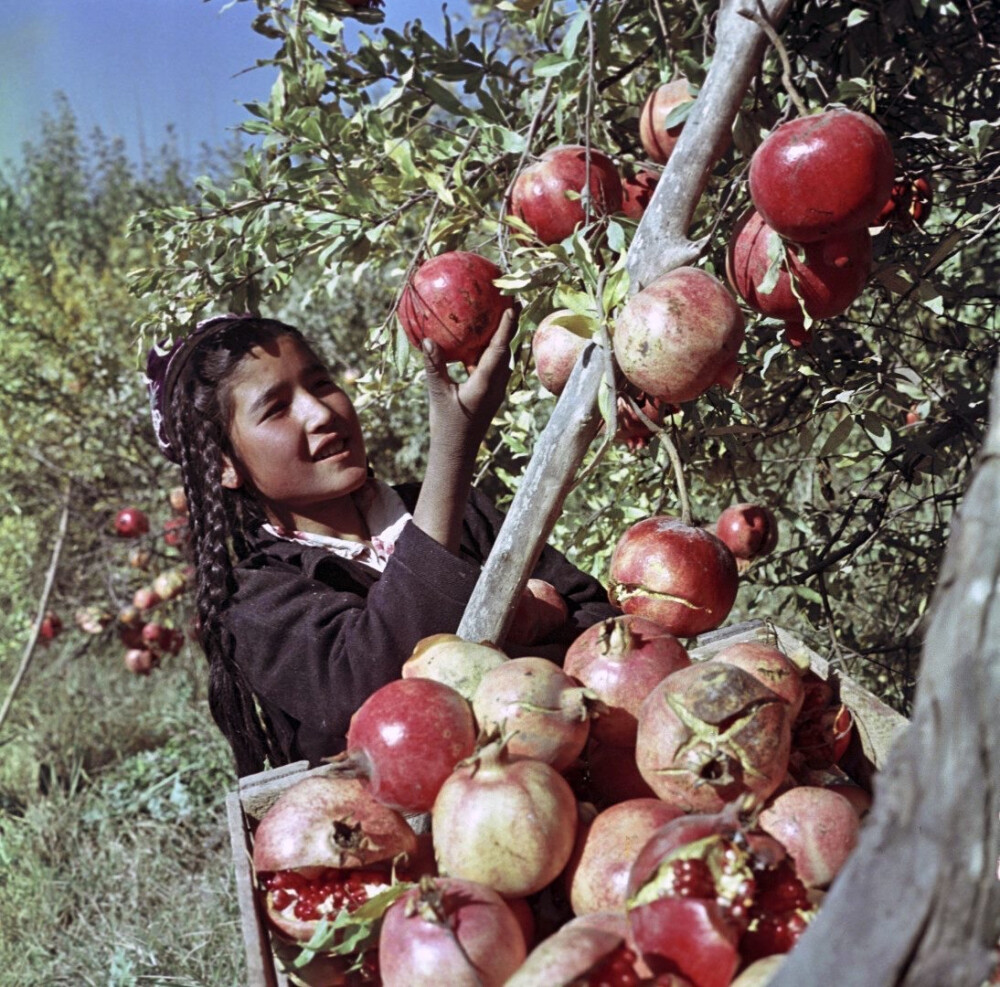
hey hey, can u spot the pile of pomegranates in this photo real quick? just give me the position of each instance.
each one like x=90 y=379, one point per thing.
x=631 y=817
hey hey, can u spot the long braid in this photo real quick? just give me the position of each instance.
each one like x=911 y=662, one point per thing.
x=218 y=519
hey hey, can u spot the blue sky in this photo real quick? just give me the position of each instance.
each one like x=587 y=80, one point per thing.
x=133 y=67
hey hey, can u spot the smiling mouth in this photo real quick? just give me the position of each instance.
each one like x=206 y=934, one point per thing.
x=332 y=449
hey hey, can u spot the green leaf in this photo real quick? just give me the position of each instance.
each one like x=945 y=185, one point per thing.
x=857 y=16
x=775 y=261
x=837 y=437
x=572 y=36
x=550 y=66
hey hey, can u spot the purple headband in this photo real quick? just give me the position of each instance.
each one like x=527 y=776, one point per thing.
x=166 y=362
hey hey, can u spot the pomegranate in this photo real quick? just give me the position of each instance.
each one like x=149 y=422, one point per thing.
x=130 y=522
x=449 y=931
x=139 y=557
x=525 y=916
x=710 y=734
x=406 y=738
x=51 y=626
x=657 y=139
x=92 y=620
x=145 y=598
x=540 y=612
x=637 y=191
x=822 y=732
x=780 y=913
x=141 y=661
x=178 y=500
x=506 y=823
x=679 y=335
x=677 y=575
x=589 y=951
x=817 y=826
x=452 y=661
x=908 y=205
x=556 y=346
x=781 y=279
x=452 y=300
x=548 y=195
x=816 y=176
x=541 y=711
x=620 y=660
x=749 y=531
x=612 y=776
x=633 y=432
x=169 y=585
x=689 y=894
x=324 y=845
x=606 y=847
x=770 y=667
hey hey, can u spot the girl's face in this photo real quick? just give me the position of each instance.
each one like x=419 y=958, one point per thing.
x=296 y=440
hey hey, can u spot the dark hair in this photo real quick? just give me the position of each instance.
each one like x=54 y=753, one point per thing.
x=200 y=410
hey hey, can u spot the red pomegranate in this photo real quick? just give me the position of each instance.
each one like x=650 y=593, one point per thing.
x=130 y=522
x=820 y=175
x=539 y=195
x=324 y=845
x=770 y=667
x=817 y=826
x=539 y=710
x=452 y=300
x=749 y=531
x=50 y=627
x=508 y=824
x=689 y=893
x=620 y=660
x=637 y=191
x=556 y=346
x=405 y=739
x=822 y=732
x=657 y=139
x=612 y=776
x=452 y=661
x=449 y=931
x=679 y=335
x=606 y=847
x=782 y=910
x=908 y=205
x=540 y=612
x=674 y=574
x=141 y=661
x=826 y=274
x=710 y=734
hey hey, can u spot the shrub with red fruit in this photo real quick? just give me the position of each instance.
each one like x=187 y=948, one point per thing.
x=781 y=279
x=324 y=845
x=542 y=712
x=710 y=734
x=620 y=660
x=405 y=739
x=674 y=574
x=449 y=931
x=508 y=824
x=820 y=175
x=452 y=300
x=548 y=195
x=130 y=522
x=679 y=336
x=658 y=140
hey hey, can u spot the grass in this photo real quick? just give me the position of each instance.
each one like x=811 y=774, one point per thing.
x=114 y=852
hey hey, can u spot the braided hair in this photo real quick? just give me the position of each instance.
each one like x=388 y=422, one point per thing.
x=201 y=408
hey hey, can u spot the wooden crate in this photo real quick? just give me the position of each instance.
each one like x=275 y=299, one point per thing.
x=876 y=727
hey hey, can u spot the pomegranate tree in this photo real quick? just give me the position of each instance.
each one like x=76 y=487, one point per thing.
x=674 y=574
x=538 y=709
x=780 y=279
x=449 y=931
x=620 y=660
x=821 y=175
x=324 y=846
x=405 y=739
x=452 y=300
x=679 y=336
x=548 y=195
x=508 y=824
x=658 y=140
x=710 y=734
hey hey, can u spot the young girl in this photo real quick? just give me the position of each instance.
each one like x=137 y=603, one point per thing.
x=314 y=579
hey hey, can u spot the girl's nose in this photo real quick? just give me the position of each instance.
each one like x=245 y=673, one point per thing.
x=315 y=412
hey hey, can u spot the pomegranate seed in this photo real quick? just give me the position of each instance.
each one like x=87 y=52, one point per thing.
x=692 y=879
x=281 y=899
x=616 y=970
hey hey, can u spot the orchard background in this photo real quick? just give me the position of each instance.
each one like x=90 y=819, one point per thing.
x=366 y=157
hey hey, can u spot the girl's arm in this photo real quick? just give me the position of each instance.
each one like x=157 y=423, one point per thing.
x=460 y=414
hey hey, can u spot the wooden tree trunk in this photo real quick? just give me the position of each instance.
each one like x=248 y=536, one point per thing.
x=918 y=903
x=661 y=244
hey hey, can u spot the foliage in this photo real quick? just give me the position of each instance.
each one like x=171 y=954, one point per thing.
x=379 y=146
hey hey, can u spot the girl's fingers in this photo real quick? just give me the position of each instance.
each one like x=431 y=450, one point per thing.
x=497 y=353
x=435 y=366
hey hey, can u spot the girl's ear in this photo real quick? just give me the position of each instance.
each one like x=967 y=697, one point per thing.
x=232 y=479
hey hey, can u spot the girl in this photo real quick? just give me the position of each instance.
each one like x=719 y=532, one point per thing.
x=314 y=579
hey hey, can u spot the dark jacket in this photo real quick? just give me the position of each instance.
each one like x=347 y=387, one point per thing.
x=316 y=634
